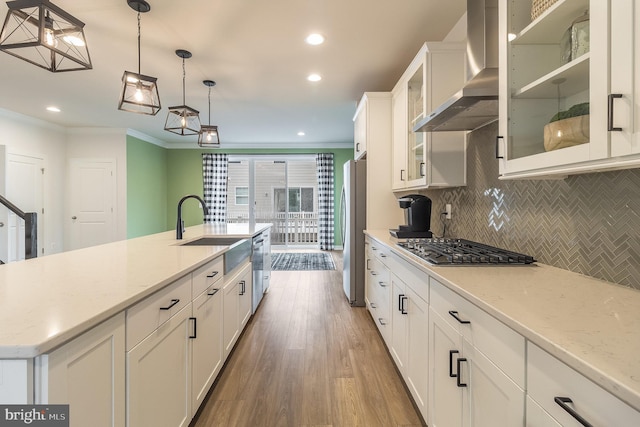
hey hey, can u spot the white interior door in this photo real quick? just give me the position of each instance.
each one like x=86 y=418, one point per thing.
x=92 y=202
x=25 y=190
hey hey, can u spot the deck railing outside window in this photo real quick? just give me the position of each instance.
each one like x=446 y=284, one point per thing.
x=296 y=228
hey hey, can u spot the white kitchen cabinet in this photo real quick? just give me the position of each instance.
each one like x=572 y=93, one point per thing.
x=360 y=131
x=536 y=83
x=565 y=395
x=378 y=289
x=477 y=365
x=373 y=119
x=410 y=338
x=236 y=305
x=88 y=374
x=159 y=329
x=445 y=396
x=625 y=77
x=159 y=377
x=428 y=159
x=206 y=344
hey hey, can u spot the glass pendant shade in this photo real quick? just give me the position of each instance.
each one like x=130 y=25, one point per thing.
x=44 y=35
x=209 y=136
x=183 y=120
x=139 y=94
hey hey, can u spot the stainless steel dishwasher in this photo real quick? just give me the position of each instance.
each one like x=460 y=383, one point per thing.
x=257 y=262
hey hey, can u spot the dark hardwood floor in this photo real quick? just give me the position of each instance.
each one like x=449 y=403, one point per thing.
x=309 y=359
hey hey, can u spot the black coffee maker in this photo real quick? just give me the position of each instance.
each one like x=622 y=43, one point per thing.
x=417 y=215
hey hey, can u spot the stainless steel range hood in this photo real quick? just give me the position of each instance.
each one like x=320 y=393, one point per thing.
x=476 y=104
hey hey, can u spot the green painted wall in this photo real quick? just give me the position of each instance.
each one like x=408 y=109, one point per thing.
x=184 y=173
x=146 y=188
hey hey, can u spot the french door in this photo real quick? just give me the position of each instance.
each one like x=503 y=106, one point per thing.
x=281 y=190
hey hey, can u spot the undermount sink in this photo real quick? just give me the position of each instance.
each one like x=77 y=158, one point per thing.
x=214 y=241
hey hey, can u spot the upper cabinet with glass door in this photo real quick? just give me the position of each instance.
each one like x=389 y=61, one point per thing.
x=424 y=159
x=556 y=109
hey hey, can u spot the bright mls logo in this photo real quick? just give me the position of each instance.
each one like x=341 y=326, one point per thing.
x=34 y=415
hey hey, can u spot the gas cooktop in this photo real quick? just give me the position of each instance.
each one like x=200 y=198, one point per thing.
x=439 y=251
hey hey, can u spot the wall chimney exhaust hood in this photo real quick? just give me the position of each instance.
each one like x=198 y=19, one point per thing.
x=476 y=104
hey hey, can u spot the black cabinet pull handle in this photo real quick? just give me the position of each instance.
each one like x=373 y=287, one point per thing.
x=242 y=287
x=459 y=378
x=451 y=353
x=454 y=314
x=213 y=274
x=194 y=327
x=400 y=296
x=357 y=147
x=402 y=175
x=381 y=320
x=213 y=291
x=562 y=401
x=498 y=138
x=382 y=255
x=373 y=273
x=173 y=302
x=421 y=168
x=373 y=305
x=368 y=268
x=403 y=299
x=382 y=284
x=610 y=127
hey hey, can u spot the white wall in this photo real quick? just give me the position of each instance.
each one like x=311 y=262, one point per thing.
x=27 y=136
x=55 y=144
x=102 y=143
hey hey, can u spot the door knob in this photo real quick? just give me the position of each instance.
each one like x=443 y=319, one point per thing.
x=74 y=217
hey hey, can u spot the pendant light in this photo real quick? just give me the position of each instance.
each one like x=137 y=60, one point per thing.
x=209 y=136
x=44 y=35
x=182 y=119
x=139 y=93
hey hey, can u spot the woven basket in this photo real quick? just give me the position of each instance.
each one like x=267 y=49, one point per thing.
x=566 y=133
x=539 y=6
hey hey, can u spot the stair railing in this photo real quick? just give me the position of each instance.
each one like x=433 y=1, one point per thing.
x=30 y=228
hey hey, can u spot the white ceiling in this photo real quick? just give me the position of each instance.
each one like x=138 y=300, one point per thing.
x=253 y=49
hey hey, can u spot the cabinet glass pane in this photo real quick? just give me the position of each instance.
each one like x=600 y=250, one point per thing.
x=545 y=81
x=415 y=110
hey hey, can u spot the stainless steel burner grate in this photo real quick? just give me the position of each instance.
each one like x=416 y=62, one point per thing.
x=463 y=252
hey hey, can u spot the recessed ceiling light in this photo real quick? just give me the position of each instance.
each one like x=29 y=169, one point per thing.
x=301 y=133
x=53 y=109
x=314 y=77
x=315 y=39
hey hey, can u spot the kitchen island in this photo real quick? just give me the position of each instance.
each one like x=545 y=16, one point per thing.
x=587 y=324
x=78 y=301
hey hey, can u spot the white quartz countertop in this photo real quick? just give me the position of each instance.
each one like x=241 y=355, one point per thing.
x=47 y=301
x=591 y=325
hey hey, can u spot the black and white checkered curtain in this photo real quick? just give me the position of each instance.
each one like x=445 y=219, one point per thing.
x=324 y=163
x=214 y=173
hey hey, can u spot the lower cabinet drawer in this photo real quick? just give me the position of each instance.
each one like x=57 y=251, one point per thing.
x=566 y=395
x=207 y=275
x=144 y=317
x=501 y=344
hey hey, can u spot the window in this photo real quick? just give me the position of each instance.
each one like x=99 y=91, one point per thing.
x=242 y=196
x=300 y=199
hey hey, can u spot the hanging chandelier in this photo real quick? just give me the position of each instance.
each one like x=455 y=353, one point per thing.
x=182 y=119
x=209 y=136
x=139 y=93
x=44 y=35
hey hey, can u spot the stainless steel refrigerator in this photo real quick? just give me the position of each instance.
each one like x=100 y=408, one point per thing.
x=353 y=220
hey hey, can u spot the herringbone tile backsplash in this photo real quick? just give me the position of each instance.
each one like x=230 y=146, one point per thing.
x=588 y=223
